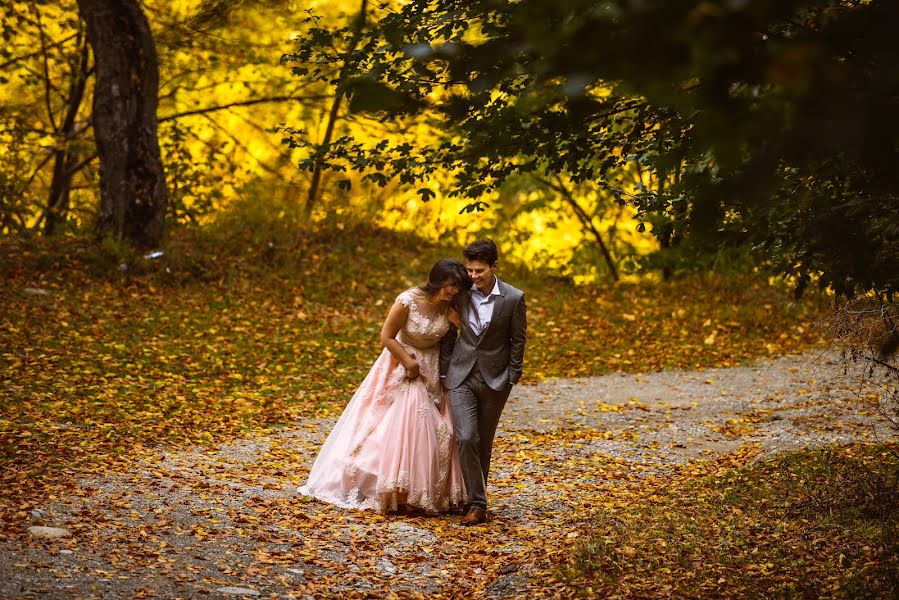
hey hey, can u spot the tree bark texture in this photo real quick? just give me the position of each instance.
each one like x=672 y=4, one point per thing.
x=132 y=179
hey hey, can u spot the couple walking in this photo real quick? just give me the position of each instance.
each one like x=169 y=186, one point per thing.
x=418 y=433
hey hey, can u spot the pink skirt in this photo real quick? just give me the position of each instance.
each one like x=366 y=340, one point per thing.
x=393 y=444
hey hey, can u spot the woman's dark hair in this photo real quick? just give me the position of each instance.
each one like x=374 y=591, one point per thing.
x=483 y=250
x=444 y=271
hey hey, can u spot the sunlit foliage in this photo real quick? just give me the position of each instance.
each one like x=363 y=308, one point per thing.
x=223 y=93
x=764 y=124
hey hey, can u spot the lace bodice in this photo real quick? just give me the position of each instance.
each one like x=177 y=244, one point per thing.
x=425 y=325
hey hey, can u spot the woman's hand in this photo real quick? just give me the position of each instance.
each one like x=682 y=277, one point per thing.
x=454 y=317
x=412 y=368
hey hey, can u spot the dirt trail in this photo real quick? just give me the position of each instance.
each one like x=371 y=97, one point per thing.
x=227 y=522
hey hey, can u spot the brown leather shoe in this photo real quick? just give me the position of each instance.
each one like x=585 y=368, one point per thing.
x=408 y=510
x=475 y=516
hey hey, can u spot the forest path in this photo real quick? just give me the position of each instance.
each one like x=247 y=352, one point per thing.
x=226 y=521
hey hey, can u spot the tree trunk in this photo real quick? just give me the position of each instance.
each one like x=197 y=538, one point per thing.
x=132 y=179
x=586 y=221
x=312 y=195
x=61 y=185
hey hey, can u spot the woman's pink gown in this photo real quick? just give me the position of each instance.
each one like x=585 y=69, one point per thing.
x=394 y=441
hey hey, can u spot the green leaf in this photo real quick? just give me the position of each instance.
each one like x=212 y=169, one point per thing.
x=477 y=206
x=372 y=96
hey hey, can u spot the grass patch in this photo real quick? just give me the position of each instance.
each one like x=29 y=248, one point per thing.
x=822 y=523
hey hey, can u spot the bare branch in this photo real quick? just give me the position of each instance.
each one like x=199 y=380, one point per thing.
x=38 y=169
x=46 y=65
x=210 y=109
x=43 y=49
x=82 y=163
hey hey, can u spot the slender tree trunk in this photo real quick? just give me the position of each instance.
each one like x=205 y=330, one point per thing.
x=312 y=196
x=64 y=159
x=60 y=191
x=586 y=222
x=132 y=179
x=667 y=237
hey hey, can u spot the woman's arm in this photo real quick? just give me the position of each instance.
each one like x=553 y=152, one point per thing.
x=396 y=318
x=454 y=317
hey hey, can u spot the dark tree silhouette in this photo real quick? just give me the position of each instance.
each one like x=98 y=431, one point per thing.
x=769 y=126
x=132 y=179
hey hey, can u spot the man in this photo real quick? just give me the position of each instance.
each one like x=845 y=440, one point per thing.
x=480 y=367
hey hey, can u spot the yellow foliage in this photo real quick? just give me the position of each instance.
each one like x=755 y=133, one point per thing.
x=236 y=151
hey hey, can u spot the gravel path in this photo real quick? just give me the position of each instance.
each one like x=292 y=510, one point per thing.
x=790 y=402
x=226 y=522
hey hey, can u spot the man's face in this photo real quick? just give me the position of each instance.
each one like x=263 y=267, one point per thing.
x=481 y=273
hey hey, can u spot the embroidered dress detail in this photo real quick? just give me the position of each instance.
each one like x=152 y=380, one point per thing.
x=394 y=441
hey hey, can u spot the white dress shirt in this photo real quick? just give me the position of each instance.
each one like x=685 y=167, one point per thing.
x=482 y=307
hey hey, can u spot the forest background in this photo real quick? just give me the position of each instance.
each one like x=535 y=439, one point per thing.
x=731 y=162
x=224 y=95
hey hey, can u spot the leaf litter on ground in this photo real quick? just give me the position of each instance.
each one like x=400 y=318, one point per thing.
x=110 y=369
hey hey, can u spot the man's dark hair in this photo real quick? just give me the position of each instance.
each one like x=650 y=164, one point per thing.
x=483 y=250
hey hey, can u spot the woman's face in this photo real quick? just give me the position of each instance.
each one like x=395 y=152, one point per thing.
x=446 y=293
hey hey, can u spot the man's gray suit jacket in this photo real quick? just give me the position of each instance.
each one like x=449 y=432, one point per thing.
x=498 y=351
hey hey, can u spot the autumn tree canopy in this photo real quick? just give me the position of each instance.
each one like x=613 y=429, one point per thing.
x=218 y=93
x=768 y=123
x=749 y=125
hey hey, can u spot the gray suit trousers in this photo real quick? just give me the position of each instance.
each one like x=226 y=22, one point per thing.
x=476 y=410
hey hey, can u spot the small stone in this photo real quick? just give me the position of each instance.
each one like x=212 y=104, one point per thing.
x=296 y=571
x=37 y=514
x=408 y=535
x=386 y=566
x=237 y=591
x=48 y=533
x=66 y=551
x=35 y=291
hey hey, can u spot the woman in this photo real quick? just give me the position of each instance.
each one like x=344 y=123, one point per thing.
x=393 y=450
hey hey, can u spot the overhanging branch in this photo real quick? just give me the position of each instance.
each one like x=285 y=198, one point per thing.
x=585 y=220
x=210 y=109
